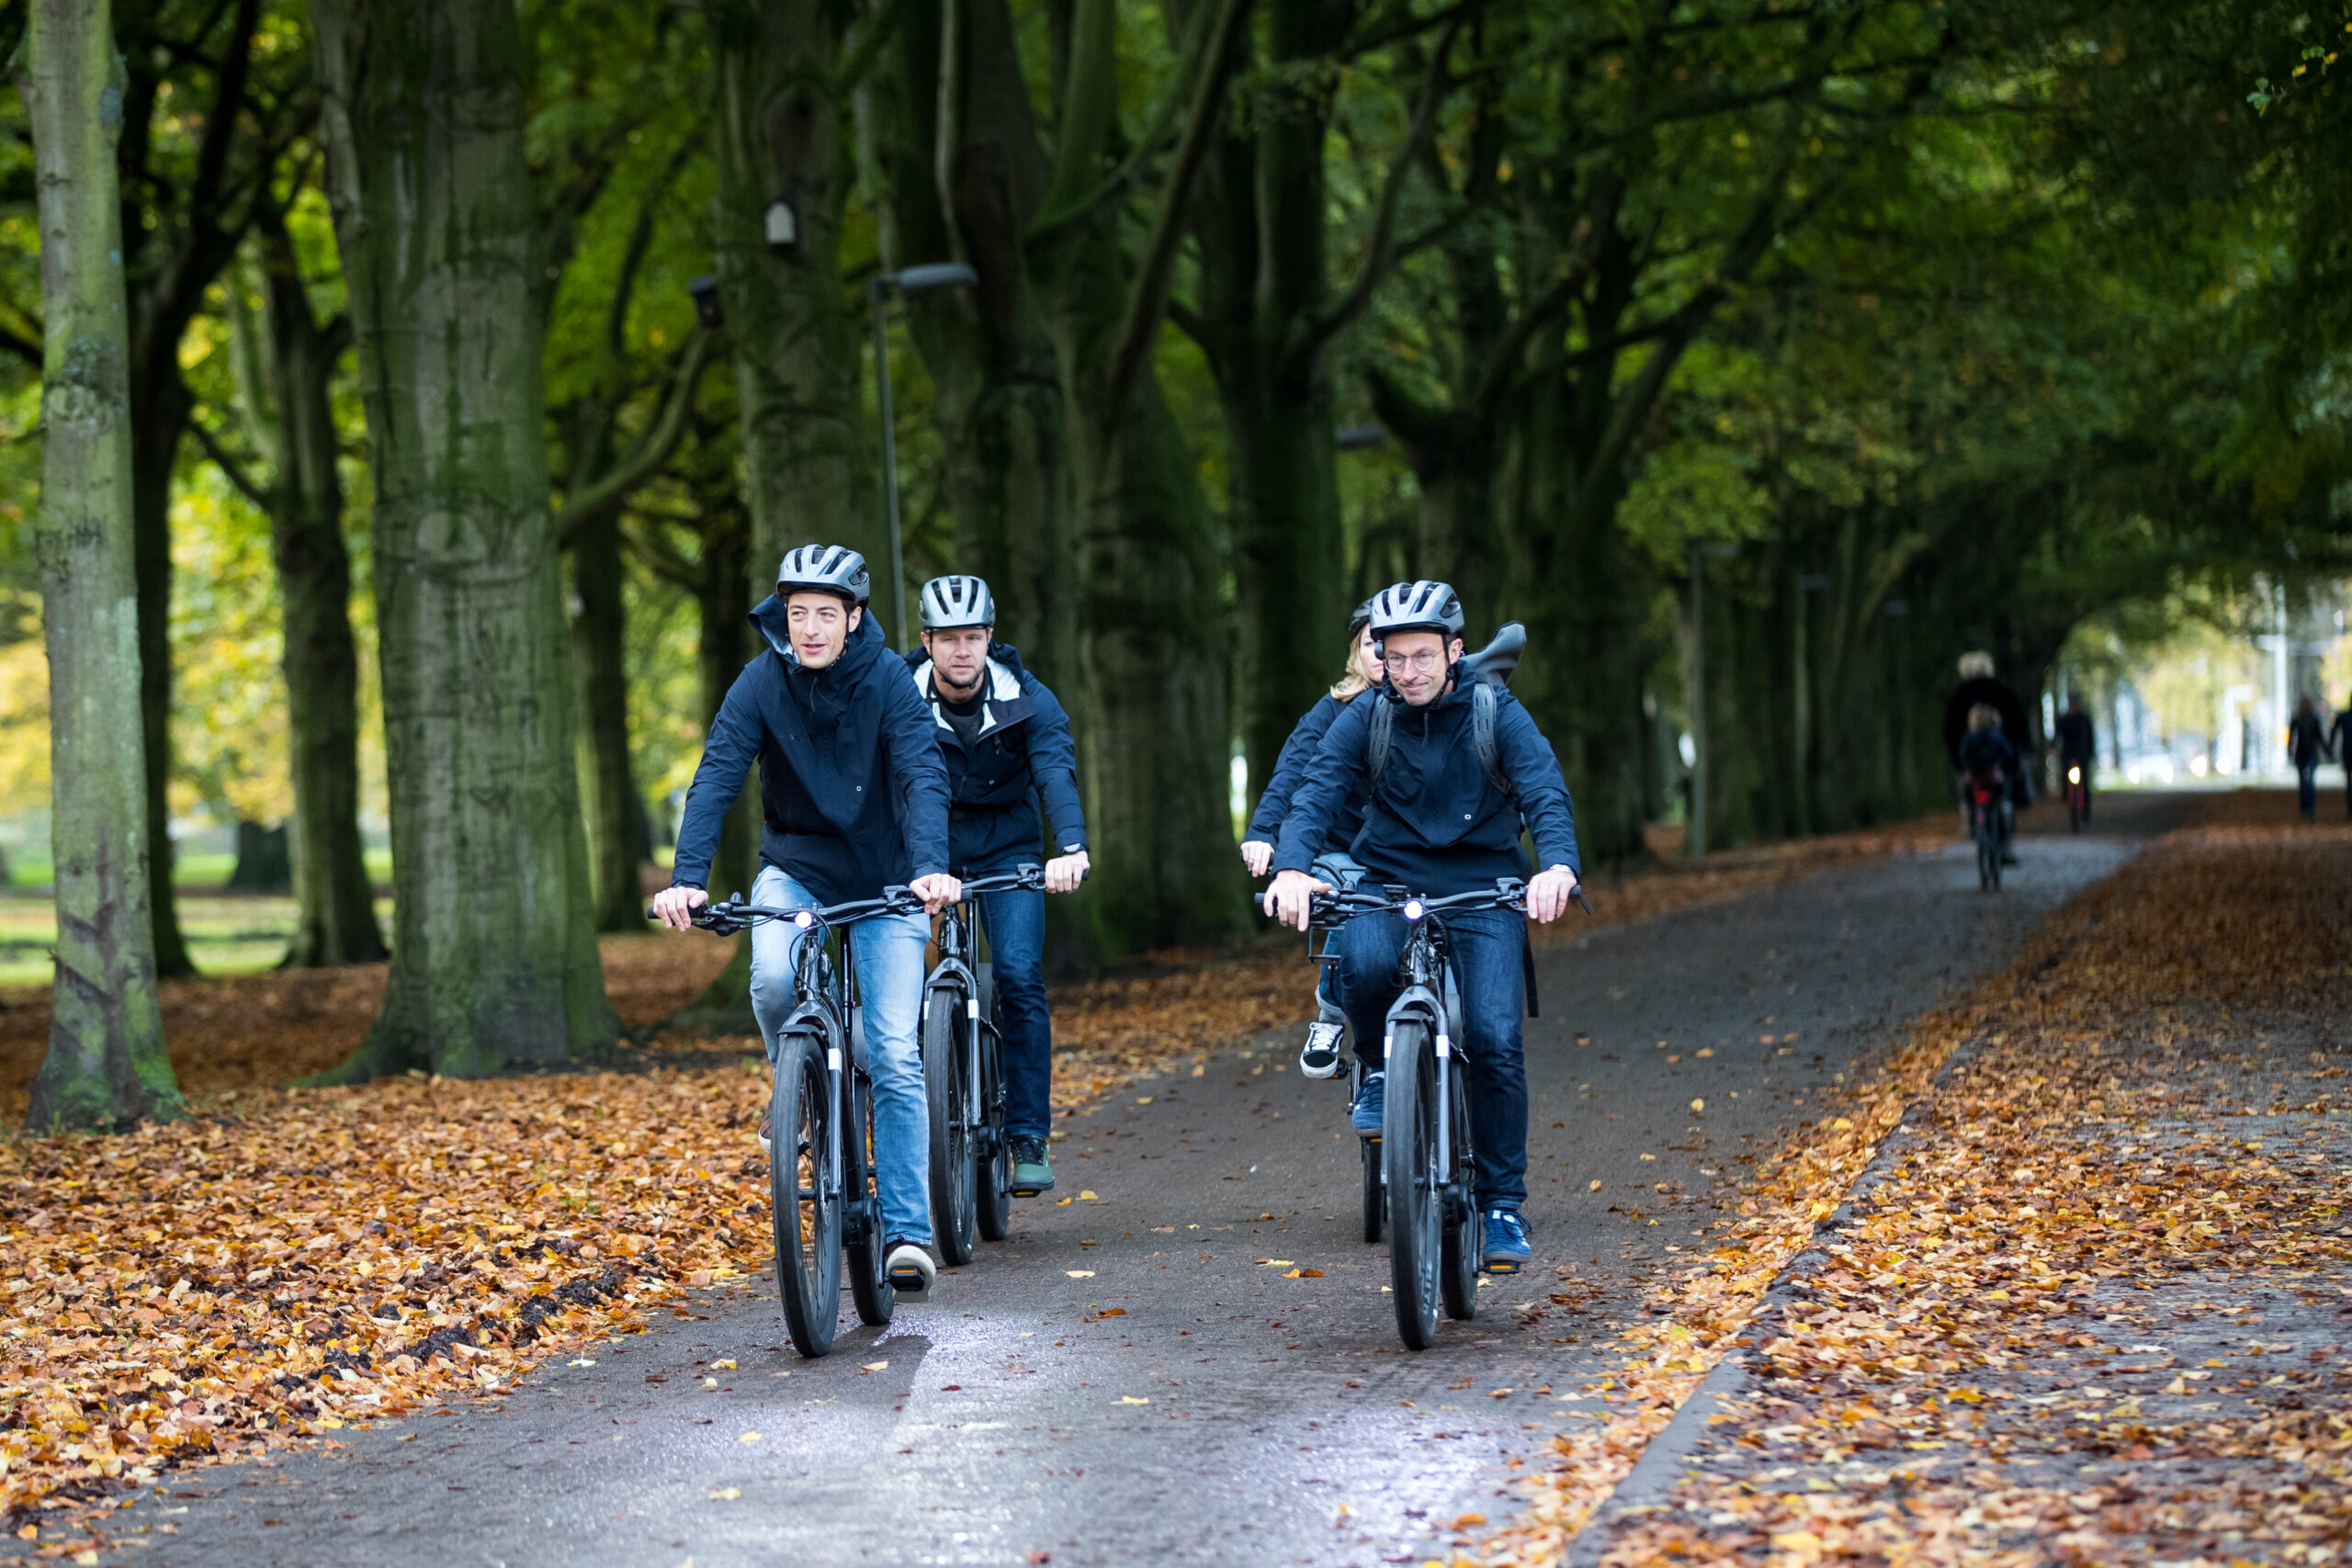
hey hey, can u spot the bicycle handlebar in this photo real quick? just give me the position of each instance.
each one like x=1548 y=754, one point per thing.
x=1508 y=893
x=733 y=914
x=1029 y=876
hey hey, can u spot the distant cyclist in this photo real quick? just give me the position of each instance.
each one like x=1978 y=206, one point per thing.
x=855 y=796
x=1978 y=684
x=1448 y=770
x=1007 y=745
x=1984 y=753
x=1320 y=1056
x=2077 y=745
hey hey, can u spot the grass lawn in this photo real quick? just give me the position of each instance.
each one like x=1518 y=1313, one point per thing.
x=225 y=936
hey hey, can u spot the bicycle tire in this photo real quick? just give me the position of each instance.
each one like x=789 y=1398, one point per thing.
x=1458 y=1263
x=1376 y=1197
x=953 y=1175
x=994 y=1196
x=1416 y=1204
x=868 y=1258
x=804 y=1194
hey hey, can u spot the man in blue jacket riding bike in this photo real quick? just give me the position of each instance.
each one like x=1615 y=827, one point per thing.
x=854 y=797
x=1007 y=745
x=1448 y=770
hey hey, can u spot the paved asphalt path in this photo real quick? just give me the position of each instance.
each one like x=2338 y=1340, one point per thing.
x=1128 y=1378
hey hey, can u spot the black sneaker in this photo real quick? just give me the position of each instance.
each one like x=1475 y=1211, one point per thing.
x=1319 y=1058
x=1033 y=1172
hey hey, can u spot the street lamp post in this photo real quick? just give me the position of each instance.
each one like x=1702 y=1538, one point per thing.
x=910 y=284
x=1700 y=555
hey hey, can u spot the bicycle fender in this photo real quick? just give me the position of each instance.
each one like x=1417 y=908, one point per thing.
x=813 y=1020
x=1417 y=1001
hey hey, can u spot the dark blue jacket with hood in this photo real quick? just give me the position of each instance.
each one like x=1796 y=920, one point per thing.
x=851 y=781
x=1434 y=822
x=1022 y=754
x=1291 y=764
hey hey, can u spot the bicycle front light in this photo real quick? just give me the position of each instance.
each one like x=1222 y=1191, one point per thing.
x=804 y=919
x=1414 y=910
x=2074 y=775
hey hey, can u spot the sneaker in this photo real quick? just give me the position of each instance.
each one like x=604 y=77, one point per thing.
x=1370 y=1102
x=1033 y=1171
x=1320 y=1058
x=1507 y=1249
x=766 y=1133
x=911 y=1271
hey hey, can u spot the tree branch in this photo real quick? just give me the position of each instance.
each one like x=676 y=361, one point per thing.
x=1148 y=297
x=1312 y=334
x=1059 y=213
x=229 y=468
x=652 y=452
x=667 y=563
x=1584 y=253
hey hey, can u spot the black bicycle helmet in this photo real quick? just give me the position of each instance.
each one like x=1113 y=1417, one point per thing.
x=1360 y=619
x=957 y=600
x=824 y=568
x=1426 y=605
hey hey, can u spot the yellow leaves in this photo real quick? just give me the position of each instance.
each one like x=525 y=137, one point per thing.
x=1131 y=1399
x=1080 y=1273
x=1302 y=1274
x=1698 y=1104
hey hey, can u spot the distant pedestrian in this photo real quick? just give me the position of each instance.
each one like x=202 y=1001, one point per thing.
x=2307 y=746
x=2339 y=742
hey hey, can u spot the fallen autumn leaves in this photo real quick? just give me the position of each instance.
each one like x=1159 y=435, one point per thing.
x=1950 y=1375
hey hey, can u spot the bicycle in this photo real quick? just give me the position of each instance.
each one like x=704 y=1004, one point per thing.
x=1989 y=825
x=963 y=1072
x=2079 y=796
x=1426 y=1163
x=822 y=1184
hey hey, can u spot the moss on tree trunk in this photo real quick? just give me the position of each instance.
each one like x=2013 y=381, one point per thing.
x=494 y=960
x=106 y=1066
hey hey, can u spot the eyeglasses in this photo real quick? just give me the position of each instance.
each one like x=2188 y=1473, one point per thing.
x=1423 y=662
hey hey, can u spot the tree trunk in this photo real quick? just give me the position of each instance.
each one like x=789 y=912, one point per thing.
x=808 y=458
x=293 y=421
x=598 y=634
x=494 y=960
x=106 y=1066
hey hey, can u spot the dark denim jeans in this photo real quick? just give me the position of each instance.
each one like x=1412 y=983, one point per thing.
x=1016 y=931
x=2307 y=786
x=1487 y=945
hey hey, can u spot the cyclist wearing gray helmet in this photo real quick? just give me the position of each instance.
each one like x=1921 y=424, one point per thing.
x=1008 y=747
x=855 y=796
x=1450 y=767
x=1320 y=1057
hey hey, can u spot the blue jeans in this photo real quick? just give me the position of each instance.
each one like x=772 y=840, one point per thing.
x=2307 y=785
x=889 y=955
x=1341 y=872
x=1016 y=919
x=1486 y=947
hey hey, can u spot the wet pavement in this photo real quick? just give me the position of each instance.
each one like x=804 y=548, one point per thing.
x=1191 y=1359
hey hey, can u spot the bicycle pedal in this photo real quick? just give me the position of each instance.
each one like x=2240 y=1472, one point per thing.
x=909 y=1282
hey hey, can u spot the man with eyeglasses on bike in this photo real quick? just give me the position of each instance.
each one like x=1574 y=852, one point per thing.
x=855 y=796
x=1449 y=771
x=1007 y=745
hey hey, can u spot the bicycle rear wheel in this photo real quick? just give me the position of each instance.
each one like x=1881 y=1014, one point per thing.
x=805 y=1192
x=869 y=1279
x=953 y=1173
x=1376 y=1197
x=993 y=1200
x=1458 y=1271
x=1416 y=1185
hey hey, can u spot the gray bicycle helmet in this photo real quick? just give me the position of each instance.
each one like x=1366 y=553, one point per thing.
x=957 y=600
x=1423 y=606
x=824 y=568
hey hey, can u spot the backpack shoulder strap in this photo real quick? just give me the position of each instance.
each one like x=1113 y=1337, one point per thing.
x=1484 y=699
x=1383 y=725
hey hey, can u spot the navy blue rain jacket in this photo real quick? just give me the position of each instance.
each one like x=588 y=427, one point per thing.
x=851 y=782
x=1984 y=749
x=1024 y=753
x=1434 y=823
x=1290 y=769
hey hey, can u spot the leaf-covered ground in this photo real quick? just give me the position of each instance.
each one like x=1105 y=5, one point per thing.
x=2091 y=1302
x=286 y=1263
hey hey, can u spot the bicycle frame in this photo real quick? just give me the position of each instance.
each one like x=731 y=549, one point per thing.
x=959 y=951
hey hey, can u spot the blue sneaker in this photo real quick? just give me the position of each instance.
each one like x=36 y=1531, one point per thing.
x=1507 y=1248
x=1370 y=1102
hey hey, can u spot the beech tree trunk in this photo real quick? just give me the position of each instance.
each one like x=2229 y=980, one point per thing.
x=781 y=134
x=494 y=961
x=289 y=409
x=615 y=815
x=106 y=1066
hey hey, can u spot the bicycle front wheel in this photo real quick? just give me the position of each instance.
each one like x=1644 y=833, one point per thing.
x=1375 y=1196
x=994 y=1198
x=804 y=1191
x=1416 y=1185
x=945 y=1072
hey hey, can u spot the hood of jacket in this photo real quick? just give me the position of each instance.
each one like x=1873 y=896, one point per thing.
x=823 y=695
x=1007 y=703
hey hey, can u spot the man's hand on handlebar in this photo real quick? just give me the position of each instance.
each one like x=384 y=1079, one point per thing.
x=1548 y=894
x=1064 y=873
x=1257 y=854
x=937 y=891
x=674 y=907
x=1289 y=897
